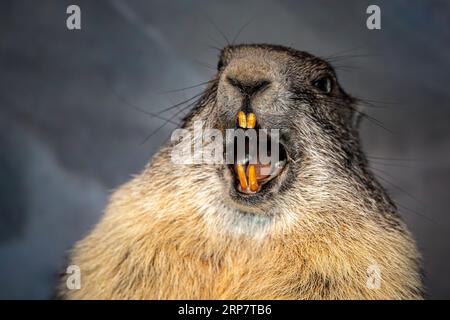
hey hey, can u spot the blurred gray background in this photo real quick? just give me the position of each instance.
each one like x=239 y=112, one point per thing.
x=71 y=130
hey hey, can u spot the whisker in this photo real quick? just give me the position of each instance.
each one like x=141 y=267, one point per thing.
x=340 y=53
x=217 y=42
x=386 y=105
x=189 y=87
x=374 y=121
x=349 y=56
x=207 y=66
x=412 y=197
x=153 y=133
x=346 y=67
x=417 y=213
x=215 y=48
x=166 y=122
x=151 y=114
x=393 y=159
x=242 y=28
x=395 y=165
x=179 y=103
x=339 y=104
x=218 y=29
x=362 y=114
x=398 y=204
x=378 y=101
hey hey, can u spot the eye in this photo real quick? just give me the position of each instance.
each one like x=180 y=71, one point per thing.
x=220 y=65
x=324 y=84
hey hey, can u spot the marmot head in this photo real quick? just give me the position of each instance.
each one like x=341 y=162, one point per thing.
x=319 y=162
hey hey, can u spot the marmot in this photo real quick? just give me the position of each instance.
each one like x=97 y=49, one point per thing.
x=318 y=227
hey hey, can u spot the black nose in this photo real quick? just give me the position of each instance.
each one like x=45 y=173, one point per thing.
x=249 y=88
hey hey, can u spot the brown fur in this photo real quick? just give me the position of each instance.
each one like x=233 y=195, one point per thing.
x=175 y=232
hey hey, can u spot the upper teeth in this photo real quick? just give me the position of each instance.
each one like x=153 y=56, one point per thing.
x=246 y=121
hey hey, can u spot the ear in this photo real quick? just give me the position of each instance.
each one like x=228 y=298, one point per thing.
x=358 y=112
x=358 y=115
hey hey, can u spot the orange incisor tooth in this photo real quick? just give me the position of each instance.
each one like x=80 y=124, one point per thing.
x=242 y=120
x=252 y=178
x=251 y=120
x=241 y=175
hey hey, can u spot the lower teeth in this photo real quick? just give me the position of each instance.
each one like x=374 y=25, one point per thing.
x=253 y=176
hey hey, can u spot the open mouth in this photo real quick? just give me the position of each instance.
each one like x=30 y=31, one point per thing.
x=258 y=160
